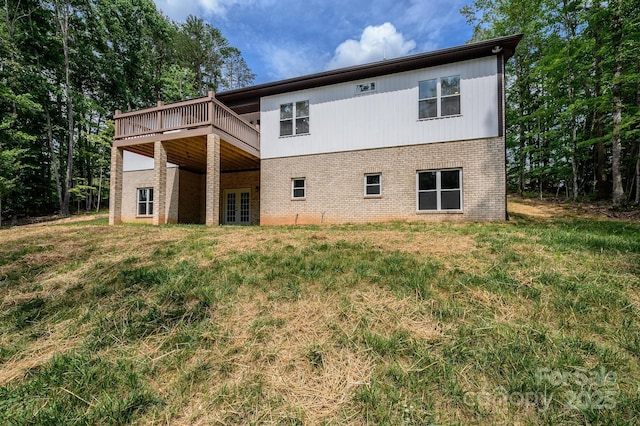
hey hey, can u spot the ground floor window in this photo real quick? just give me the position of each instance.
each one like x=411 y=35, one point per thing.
x=298 y=188
x=439 y=190
x=145 y=201
x=372 y=185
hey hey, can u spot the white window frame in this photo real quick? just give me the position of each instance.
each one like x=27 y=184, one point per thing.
x=440 y=97
x=293 y=188
x=148 y=203
x=294 y=118
x=438 y=190
x=367 y=185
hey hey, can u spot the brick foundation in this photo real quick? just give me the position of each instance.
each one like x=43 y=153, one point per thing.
x=335 y=184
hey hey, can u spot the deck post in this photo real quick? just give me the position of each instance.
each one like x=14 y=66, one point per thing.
x=159 y=183
x=115 y=190
x=212 y=187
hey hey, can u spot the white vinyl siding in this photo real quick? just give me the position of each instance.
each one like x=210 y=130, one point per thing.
x=388 y=116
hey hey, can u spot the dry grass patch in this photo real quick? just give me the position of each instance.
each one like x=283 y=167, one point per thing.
x=504 y=311
x=385 y=314
x=37 y=353
x=291 y=344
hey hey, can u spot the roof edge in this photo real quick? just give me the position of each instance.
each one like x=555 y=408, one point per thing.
x=244 y=99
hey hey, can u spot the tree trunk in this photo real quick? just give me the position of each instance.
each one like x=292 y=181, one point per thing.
x=637 y=200
x=54 y=157
x=521 y=133
x=616 y=144
x=62 y=16
x=99 y=191
x=570 y=34
x=574 y=165
x=602 y=178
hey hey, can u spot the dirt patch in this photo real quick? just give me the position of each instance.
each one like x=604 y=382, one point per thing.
x=59 y=220
x=546 y=209
x=534 y=208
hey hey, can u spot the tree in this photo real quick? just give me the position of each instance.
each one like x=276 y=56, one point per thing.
x=62 y=9
x=215 y=65
x=66 y=65
x=235 y=72
x=572 y=93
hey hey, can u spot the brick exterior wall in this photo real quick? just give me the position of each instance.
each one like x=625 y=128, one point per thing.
x=185 y=200
x=115 y=189
x=212 y=180
x=335 y=183
x=242 y=180
x=191 y=197
x=133 y=180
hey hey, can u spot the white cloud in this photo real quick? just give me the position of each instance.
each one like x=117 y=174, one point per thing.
x=375 y=44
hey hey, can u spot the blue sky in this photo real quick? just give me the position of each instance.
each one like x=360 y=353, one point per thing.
x=284 y=38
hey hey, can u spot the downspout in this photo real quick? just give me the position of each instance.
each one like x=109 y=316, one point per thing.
x=502 y=118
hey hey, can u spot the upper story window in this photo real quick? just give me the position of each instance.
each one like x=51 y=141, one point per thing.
x=428 y=98
x=294 y=118
x=439 y=97
x=365 y=87
x=450 y=95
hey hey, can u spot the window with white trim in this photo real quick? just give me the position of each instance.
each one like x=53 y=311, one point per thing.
x=145 y=201
x=439 y=190
x=298 y=188
x=294 y=118
x=373 y=185
x=439 y=97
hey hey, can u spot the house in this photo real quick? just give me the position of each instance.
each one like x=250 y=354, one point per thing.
x=415 y=138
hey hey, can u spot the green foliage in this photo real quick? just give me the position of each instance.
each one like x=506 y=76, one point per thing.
x=115 y=55
x=575 y=59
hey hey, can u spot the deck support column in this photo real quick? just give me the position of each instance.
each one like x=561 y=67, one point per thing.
x=159 y=183
x=115 y=189
x=212 y=186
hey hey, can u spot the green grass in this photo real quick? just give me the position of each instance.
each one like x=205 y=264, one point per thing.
x=531 y=321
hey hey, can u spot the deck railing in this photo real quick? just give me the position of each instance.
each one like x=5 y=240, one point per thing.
x=185 y=115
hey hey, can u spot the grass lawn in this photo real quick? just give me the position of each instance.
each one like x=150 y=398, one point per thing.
x=534 y=321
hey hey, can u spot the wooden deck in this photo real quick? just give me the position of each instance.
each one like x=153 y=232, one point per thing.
x=184 y=125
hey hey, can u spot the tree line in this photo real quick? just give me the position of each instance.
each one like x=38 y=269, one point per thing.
x=66 y=66
x=573 y=95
